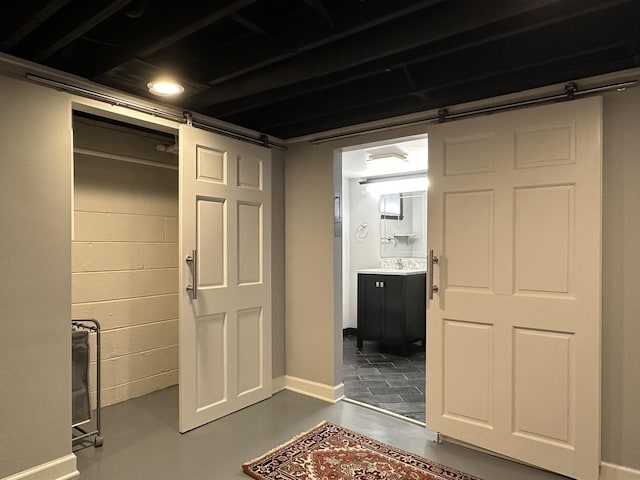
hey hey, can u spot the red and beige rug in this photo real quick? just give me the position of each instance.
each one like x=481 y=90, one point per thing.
x=330 y=452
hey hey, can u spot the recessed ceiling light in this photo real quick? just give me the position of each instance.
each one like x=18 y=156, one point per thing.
x=165 y=88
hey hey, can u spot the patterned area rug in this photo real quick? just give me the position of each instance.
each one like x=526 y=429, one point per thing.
x=330 y=452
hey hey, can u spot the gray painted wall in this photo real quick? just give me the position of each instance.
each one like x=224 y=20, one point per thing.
x=35 y=193
x=35 y=284
x=309 y=279
x=277 y=264
x=310 y=294
x=621 y=280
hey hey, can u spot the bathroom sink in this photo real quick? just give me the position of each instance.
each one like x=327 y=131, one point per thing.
x=391 y=271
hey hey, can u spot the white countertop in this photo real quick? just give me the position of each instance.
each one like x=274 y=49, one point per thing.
x=391 y=271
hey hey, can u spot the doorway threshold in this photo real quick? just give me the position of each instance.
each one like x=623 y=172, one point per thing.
x=391 y=414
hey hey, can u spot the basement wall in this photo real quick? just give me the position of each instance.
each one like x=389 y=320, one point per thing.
x=35 y=285
x=125 y=259
x=310 y=297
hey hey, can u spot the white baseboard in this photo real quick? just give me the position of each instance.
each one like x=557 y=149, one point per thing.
x=611 y=471
x=328 y=393
x=278 y=384
x=63 y=468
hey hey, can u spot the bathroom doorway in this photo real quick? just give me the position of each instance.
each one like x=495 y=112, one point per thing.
x=383 y=274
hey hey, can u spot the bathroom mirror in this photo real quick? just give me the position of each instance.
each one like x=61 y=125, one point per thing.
x=402 y=224
x=391 y=207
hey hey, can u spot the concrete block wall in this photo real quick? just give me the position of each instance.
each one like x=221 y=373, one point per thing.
x=125 y=259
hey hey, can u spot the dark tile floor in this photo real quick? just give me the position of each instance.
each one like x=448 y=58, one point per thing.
x=384 y=378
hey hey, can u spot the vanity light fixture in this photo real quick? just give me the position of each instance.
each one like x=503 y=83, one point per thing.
x=165 y=88
x=398 y=186
x=397 y=176
x=406 y=182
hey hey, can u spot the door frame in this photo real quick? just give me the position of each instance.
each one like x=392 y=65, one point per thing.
x=98 y=109
x=342 y=274
x=149 y=121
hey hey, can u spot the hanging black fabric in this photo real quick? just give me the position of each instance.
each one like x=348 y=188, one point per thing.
x=81 y=409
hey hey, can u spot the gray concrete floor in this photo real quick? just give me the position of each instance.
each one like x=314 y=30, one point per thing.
x=141 y=440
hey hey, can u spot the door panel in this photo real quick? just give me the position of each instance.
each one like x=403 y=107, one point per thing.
x=249 y=240
x=210 y=164
x=553 y=208
x=210 y=362
x=225 y=320
x=394 y=314
x=551 y=386
x=249 y=350
x=513 y=333
x=558 y=141
x=469 y=240
x=210 y=243
x=472 y=154
x=467 y=366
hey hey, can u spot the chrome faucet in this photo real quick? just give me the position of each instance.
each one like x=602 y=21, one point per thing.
x=399 y=263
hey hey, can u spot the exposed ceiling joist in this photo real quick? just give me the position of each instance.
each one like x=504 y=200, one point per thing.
x=415 y=56
x=253 y=27
x=467 y=71
x=75 y=31
x=321 y=8
x=159 y=38
x=412 y=84
x=195 y=26
x=295 y=67
x=352 y=22
x=29 y=24
x=417 y=29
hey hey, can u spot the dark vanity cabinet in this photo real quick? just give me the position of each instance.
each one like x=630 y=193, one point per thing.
x=392 y=308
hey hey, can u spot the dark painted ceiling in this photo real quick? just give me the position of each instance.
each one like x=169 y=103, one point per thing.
x=293 y=67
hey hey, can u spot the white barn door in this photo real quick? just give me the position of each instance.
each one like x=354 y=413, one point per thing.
x=225 y=272
x=513 y=332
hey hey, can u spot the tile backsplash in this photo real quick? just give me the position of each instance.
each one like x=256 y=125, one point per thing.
x=408 y=263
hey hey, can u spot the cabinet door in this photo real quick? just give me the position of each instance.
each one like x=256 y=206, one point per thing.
x=415 y=314
x=393 y=318
x=371 y=305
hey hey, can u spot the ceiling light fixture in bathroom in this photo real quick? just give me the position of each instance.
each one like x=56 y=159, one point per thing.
x=386 y=162
x=165 y=88
x=388 y=157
